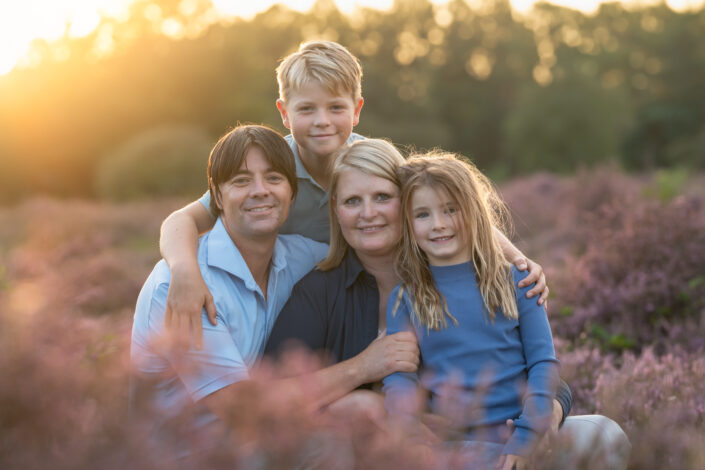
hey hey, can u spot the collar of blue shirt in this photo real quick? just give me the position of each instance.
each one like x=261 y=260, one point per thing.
x=223 y=254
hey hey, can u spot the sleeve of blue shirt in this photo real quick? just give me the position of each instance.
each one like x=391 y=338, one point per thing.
x=203 y=372
x=205 y=201
x=400 y=387
x=542 y=367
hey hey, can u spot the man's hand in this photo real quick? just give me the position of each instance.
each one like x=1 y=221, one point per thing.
x=388 y=354
x=536 y=275
x=185 y=300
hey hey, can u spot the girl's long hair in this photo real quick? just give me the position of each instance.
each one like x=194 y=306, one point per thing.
x=481 y=210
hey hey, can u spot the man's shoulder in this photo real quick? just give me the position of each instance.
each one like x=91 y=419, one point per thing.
x=296 y=247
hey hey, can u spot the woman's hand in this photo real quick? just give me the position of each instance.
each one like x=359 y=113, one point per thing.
x=536 y=275
x=388 y=354
x=187 y=296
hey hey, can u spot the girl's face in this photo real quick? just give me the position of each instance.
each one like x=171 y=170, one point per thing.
x=436 y=223
x=369 y=212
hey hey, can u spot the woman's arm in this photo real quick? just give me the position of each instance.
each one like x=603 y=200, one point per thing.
x=188 y=293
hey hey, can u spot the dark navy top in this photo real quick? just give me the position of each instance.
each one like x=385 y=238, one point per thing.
x=333 y=311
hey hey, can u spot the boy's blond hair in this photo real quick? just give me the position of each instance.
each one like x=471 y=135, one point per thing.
x=323 y=62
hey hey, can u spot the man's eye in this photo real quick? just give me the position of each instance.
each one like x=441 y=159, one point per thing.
x=241 y=181
x=275 y=178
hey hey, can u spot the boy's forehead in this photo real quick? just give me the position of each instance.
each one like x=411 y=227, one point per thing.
x=314 y=89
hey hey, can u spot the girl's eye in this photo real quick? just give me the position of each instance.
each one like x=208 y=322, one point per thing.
x=451 y=210
x=421 y=215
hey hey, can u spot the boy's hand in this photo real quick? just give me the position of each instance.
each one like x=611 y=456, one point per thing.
x=187 y=296
x=536 y=275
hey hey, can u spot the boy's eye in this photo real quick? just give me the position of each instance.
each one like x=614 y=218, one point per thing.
x=305 y=109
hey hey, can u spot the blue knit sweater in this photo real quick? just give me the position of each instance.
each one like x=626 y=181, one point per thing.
x=501 y=370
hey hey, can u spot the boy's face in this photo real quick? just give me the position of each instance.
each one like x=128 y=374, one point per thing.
x=320 y=121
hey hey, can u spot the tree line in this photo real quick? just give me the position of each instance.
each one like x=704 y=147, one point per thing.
x=555 y=89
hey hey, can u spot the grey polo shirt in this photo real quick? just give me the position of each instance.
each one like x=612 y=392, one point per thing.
x=308 y=215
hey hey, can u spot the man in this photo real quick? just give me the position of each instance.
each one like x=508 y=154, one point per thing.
x=249 y=269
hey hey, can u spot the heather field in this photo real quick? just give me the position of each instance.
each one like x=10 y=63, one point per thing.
x=625 y=257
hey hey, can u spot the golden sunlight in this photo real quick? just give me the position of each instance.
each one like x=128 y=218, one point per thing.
x=28 y=20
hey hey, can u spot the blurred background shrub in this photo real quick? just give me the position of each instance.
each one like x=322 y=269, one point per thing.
x=163 y=161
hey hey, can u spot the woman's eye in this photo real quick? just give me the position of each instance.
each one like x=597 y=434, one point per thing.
x=383 y=197
x=351 y=201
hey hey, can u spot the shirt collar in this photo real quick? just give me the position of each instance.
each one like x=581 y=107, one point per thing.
x=352 y=268
x=224 y=254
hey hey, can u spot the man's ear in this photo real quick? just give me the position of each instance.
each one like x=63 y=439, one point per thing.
x=281 y=106
x=358 y=108
x=215 y=194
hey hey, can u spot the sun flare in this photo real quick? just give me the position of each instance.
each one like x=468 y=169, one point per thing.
x=22 y=22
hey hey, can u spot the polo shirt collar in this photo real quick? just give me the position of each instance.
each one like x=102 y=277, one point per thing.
x=352 y=268
x=301 y=172
x=224 y=254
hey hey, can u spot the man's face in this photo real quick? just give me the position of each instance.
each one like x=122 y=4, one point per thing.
x=256 y=200
x=320 y=121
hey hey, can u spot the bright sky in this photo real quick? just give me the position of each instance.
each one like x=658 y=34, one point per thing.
x=21 y=21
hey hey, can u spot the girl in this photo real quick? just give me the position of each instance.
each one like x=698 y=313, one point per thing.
x=486 y=351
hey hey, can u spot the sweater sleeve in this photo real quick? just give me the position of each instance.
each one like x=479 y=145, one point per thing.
x=400 y=387
x=542 y=368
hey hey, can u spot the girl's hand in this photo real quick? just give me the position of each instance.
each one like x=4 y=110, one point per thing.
x=511 y=462
x=536 y=275
x=187 y=296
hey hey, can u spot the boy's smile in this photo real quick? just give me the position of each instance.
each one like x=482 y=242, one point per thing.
x=319 y=120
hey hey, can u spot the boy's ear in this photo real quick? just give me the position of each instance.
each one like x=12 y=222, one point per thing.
x=281 y=106
x=358 y=108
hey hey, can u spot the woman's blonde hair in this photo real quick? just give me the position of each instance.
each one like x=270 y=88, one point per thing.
x=375 y=157
x=481 y=210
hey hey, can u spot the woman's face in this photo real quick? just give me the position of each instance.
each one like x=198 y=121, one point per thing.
x=369 y=212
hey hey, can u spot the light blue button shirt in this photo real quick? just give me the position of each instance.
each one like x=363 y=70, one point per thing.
x=244 y=320
x=309 y=215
